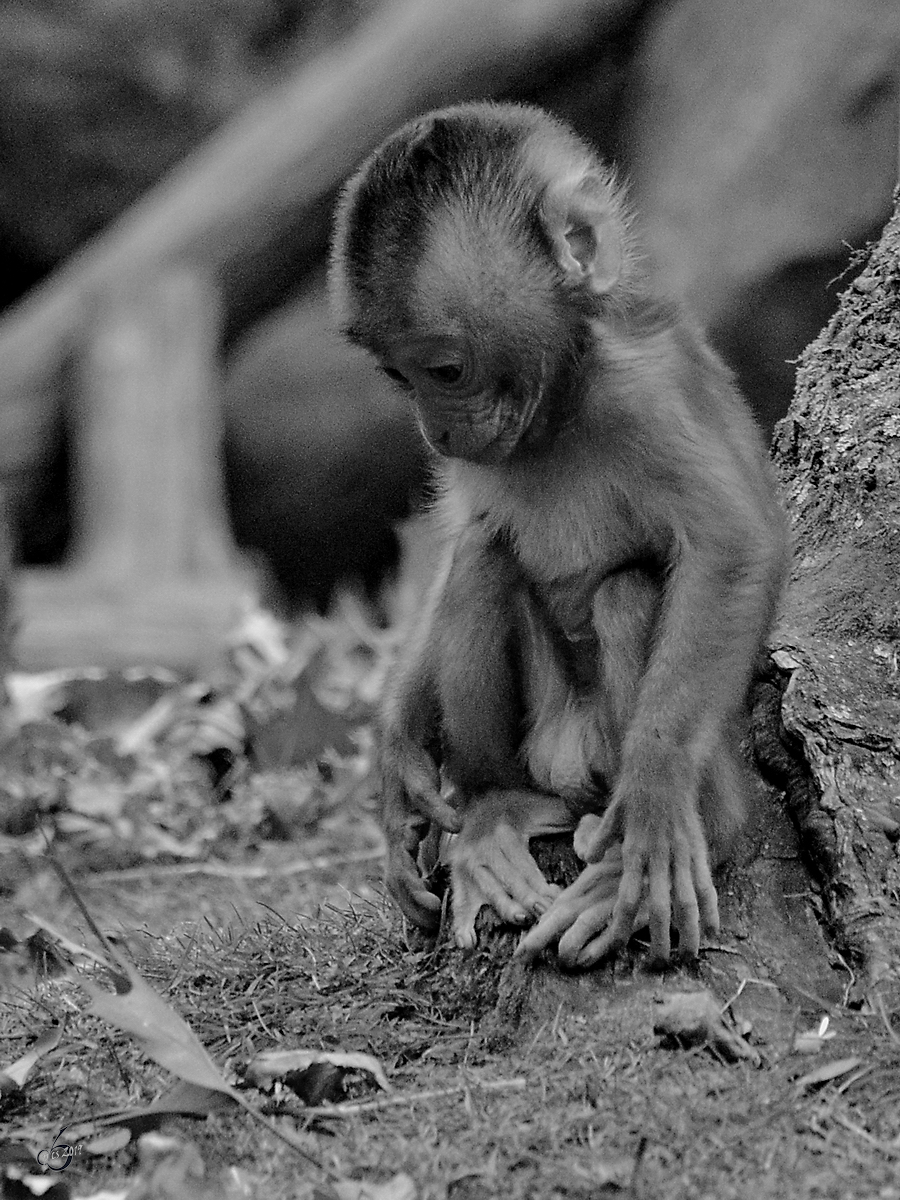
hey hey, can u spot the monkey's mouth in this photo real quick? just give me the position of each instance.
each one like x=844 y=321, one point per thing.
x=489 y=440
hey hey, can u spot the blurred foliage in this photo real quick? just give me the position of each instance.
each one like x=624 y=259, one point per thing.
x=99 y=97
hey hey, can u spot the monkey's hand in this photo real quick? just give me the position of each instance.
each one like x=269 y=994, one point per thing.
x=580 y=915
x=665 y=859
x=410 y=801
x=490 y=861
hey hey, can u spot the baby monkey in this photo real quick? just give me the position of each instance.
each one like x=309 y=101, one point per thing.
x=609 y=549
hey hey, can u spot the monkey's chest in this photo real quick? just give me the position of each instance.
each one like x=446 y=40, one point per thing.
x=566 y=607
x=563 y=535
x=565 y=553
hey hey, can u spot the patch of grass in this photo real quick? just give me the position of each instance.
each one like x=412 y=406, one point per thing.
x=587 y=1105
x=255 y=911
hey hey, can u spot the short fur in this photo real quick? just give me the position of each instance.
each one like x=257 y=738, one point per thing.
x=612 y=549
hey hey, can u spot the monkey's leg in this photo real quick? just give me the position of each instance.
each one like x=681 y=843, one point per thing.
x=408 y=756
x=482 y=714
x=491 y=863
x=625 y=610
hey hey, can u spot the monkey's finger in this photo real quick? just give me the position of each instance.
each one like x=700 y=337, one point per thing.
x=466 y=905
x=597 y=949
x=438 y=810
x=548 y=929
x=660 y=907
x=418 y=785
x=495 y=893
x=687 y=912
x=428 y=801
x=471 y=891
x=628 y=900
x=404 y=883
x=517 y=871
x=585 y=832
x=604 y=874
x=707 y=897
x=597 y=888
x=592 y=841
x=417 y=904
x=583 y=933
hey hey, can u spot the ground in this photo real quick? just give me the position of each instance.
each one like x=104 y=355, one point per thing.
x=247 y=893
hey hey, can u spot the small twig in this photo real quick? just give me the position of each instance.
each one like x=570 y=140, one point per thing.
x=639 y=1155
x=851 y=982
x=884 y=1147
x=321 y=862
x=115 y=960
x=350 y=1108
x=882 y=1012
x=748 y=979
x=731 y=999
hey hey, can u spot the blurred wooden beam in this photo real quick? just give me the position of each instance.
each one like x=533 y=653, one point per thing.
x=255 y=185
x=153 y=576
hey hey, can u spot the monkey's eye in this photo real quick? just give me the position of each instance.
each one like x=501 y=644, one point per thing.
x=397 y=376
x=447 y=373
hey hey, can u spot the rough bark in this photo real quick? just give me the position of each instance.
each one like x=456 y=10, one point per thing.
x=838 y=451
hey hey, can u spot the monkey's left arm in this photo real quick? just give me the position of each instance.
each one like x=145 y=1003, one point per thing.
x=725 y=575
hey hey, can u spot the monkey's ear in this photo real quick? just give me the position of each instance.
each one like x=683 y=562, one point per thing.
x=586 y=227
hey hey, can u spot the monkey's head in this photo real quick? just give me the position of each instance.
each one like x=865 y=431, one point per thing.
x=471 y=252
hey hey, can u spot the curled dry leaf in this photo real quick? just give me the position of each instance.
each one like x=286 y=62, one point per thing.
x=828 y=1071
x=164 y=1035
x=13 y=1077
x=811 y=1041
x=694 y=1019
x=401 y=1187
x=271 y=1065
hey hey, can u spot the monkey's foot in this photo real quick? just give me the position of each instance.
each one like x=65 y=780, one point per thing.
x=490 y=862
x=580 y=916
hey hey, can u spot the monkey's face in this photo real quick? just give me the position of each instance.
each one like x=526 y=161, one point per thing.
x=467 y=403
x=484 y=335
x=471 y=251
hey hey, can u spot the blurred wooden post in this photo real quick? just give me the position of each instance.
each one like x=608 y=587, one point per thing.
x=153 y=576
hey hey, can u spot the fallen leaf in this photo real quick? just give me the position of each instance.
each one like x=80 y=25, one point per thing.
x=785 y=660
x=298 y=733
x=117 y=1139
x=92 y=798
x=401 y=1187
x=19 y=1071
x=811 y=1041
x=694 y=1019
x=827 y=1072
x=26 y=1184
x=265 y=1068
x=319 y=1083
x=165 y=1036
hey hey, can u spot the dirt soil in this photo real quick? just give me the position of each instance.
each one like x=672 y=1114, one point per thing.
x=504 y=1081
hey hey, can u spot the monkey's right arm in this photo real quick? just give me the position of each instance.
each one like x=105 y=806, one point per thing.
x=408 y=754
x=455 y=700
x=479 y=640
